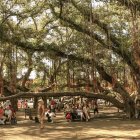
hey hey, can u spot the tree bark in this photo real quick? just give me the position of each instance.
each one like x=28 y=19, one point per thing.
x=27 y=74
x=14 y=102
x=35 y=102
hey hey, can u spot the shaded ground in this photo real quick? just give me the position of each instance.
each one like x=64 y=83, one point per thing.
x=107 y=126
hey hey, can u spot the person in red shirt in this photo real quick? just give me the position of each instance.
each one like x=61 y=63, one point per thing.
x=25 y=104
x=2 y=117
x=53 y=103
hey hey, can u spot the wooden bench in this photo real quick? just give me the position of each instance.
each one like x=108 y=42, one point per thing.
x=31 y=112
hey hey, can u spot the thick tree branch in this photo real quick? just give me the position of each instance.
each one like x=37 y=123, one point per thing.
x=48 y=88
x=53 y=48
x=60 y=94
x=30 y=68
x=115 y=46
x=130 y=4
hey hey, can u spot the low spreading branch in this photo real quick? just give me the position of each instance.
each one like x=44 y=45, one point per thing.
x=60 y=94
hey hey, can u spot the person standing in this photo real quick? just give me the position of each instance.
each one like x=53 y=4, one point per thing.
x=41 y=112
x=86 y=112
x=53 y=106
x=25 y=104
x=95 y=107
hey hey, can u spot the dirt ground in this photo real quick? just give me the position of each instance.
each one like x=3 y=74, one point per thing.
x=105 y=126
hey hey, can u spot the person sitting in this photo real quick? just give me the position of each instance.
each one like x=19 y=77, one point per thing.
x=80 y=114
x=74 y=114
x=68 y=116
x=2 y=117
x=13 y=115
x=8 y=114
x=68 y=112
x=50 y=116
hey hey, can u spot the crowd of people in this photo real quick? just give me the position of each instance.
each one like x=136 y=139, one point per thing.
x=80 y=111
x=23 y=103
x=72 y=110
x=7 y=113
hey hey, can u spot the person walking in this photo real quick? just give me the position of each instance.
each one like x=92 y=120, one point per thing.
x=41 y=112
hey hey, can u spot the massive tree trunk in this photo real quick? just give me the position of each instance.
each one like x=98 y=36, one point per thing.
x=14 y=103
x=30 y=67
x=2 y=59
x=35 y=102
x=12 y=68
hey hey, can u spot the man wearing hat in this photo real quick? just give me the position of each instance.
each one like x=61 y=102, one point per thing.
x=41 y=112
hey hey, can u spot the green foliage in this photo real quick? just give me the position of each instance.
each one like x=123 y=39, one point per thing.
x=101 y=31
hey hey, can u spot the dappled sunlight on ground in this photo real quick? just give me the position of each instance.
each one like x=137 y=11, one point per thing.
x=99 y=129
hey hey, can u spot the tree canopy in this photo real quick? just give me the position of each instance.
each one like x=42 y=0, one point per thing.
x=71 y=45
